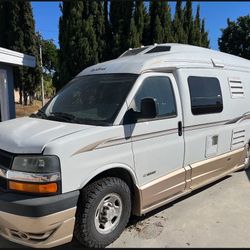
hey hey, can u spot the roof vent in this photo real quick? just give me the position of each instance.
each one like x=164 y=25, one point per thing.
x=132 y=52
x=158 y=49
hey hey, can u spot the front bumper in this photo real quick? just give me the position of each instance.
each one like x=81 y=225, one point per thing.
x=38 y=222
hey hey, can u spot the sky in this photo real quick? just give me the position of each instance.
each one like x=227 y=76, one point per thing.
x=46 y=15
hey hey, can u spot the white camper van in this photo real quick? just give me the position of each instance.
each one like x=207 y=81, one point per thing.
x=124 y=136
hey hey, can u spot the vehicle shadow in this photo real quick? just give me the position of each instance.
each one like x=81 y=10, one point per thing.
x=136 y=219
x=247 y=173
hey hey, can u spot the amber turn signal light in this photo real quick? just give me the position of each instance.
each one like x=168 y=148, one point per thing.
x=33 y=188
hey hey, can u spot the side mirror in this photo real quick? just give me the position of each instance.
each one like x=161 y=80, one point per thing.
x=148 y=111
x=148 y=108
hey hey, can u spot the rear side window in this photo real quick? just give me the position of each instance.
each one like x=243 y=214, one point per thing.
x=205 y=94
x=159 y=88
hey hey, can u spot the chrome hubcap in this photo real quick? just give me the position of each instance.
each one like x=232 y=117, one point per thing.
x=108 y=213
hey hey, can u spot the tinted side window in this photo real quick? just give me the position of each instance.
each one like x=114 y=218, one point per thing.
x=160 y=88
x=205 y=93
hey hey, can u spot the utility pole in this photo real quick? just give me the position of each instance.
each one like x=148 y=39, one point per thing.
x=41 y=61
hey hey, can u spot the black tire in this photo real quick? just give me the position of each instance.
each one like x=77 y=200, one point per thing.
x=85 y=230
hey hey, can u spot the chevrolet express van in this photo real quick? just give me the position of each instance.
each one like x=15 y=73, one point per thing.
x=123 y=137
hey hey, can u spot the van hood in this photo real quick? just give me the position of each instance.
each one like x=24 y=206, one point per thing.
x=30 y=135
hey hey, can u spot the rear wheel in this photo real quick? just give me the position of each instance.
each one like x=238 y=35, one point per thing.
x=103 y=212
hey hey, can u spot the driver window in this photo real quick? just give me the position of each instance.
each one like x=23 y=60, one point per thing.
x=159 y=88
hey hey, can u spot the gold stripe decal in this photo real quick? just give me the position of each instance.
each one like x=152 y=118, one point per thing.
x=91 y=147
x=239 y=119
x=205 y=125
x=117 y=141
x=154 y=134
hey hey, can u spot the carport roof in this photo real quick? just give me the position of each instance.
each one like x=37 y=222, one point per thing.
x=16 y=58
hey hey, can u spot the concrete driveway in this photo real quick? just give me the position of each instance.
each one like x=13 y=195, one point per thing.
x=215 y=216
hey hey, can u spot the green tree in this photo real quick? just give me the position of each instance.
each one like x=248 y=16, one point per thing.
x=177 y=24
x=204 y=36
x=94 y=31
x=70 y=28
x=156 y=29
x=235 y=37
x=31 y=76
x=96 y=10
x=120 y=20
x=49 y=55
x=133 y=38
x=77 y=39
x=108 y=37
x=165 y=16
x=49 y=89
x=188 y=22
x=139 y=18
x=146 y=36
x=50 y=66
x=18 y=33
x=197 y=28
x=3 y=24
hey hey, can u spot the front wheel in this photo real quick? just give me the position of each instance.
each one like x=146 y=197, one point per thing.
x=103 y=212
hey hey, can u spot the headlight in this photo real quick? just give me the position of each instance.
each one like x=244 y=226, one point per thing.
x=36 y=164
x=34 y=174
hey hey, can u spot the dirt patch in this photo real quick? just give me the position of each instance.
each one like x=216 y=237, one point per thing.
x=146 y=229
x=151 y=231
x=22 y=110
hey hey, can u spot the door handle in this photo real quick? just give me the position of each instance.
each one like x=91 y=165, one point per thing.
x=180 y=128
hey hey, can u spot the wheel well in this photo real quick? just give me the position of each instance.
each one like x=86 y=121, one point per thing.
x=127 y=178
x=116 y=172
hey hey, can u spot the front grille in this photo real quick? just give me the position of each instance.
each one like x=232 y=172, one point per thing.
x=5 y=159
x=3 y=184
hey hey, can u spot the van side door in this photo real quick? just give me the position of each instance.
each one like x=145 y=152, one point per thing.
x=158 y=144
x=214 y=141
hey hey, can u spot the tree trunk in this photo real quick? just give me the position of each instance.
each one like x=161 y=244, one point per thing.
x=31 y=97
x=25 y=98
x=20 y=96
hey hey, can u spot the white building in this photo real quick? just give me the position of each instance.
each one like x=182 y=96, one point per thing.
x=8 y=59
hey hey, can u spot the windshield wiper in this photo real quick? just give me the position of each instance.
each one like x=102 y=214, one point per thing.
x=63 y=117
x=40 y=114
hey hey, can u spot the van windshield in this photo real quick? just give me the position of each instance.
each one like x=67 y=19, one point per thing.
x=92 y=99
